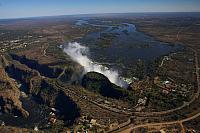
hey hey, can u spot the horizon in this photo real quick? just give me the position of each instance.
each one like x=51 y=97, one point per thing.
x=102 y=14
x=35 y=8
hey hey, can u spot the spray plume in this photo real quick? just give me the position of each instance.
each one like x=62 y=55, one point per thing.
x=78 y=53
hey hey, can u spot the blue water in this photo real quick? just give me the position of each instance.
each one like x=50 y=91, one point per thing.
x=126 y=47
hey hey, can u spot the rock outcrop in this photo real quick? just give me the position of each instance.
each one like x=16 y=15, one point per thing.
x=99 y=83
x=44 y=69
x=67 y=73
x=53 y=97
x=10 y=129
x=9 y=96
x=10 y=103
x=37 y=81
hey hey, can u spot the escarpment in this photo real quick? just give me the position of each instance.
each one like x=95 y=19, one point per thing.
x=68 y=72
x=41 y=89
x=10 y=103
x=46 y=93
x=44 y=69
x=10 y=97
x=99 y=83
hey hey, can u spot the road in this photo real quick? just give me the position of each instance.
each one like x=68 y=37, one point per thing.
x=167 y=123
x=62 y=73
x=185 y=103
x=45 y=50
x=115 y=110
x=130 y=127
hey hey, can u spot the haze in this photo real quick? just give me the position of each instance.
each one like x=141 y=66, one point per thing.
x=33 y=8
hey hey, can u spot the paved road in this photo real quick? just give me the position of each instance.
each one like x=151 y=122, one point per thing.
x=130 y=127
x=185 y=103
x=167 y=123
x=115 y=110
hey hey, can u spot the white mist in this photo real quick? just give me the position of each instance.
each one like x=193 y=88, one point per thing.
x=78 y=53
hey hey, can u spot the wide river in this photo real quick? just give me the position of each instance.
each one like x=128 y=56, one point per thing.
x=121 y=45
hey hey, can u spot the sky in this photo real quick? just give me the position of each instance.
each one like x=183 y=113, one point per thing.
x=33 y=8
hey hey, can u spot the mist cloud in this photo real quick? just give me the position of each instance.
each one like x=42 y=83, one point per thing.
x=78 y=53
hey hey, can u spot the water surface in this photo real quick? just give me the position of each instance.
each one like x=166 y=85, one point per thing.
x=121 y=45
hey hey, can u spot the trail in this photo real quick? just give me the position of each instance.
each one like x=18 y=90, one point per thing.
x=130 y=127
x=167 y=123
x=45 y=50
x=62 y=73
x=182 y=128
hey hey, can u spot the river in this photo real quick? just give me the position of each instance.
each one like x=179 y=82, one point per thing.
x=120 y=45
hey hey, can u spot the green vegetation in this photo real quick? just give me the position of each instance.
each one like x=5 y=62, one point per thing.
x=106 y=39
x=58 y=126
x=100 y=84
x=169 y=101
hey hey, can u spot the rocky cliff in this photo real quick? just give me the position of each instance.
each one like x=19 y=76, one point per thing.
x=10 y=96
x=99 y=83
x=37 y=86
x=51 y=96
x=44 y=69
